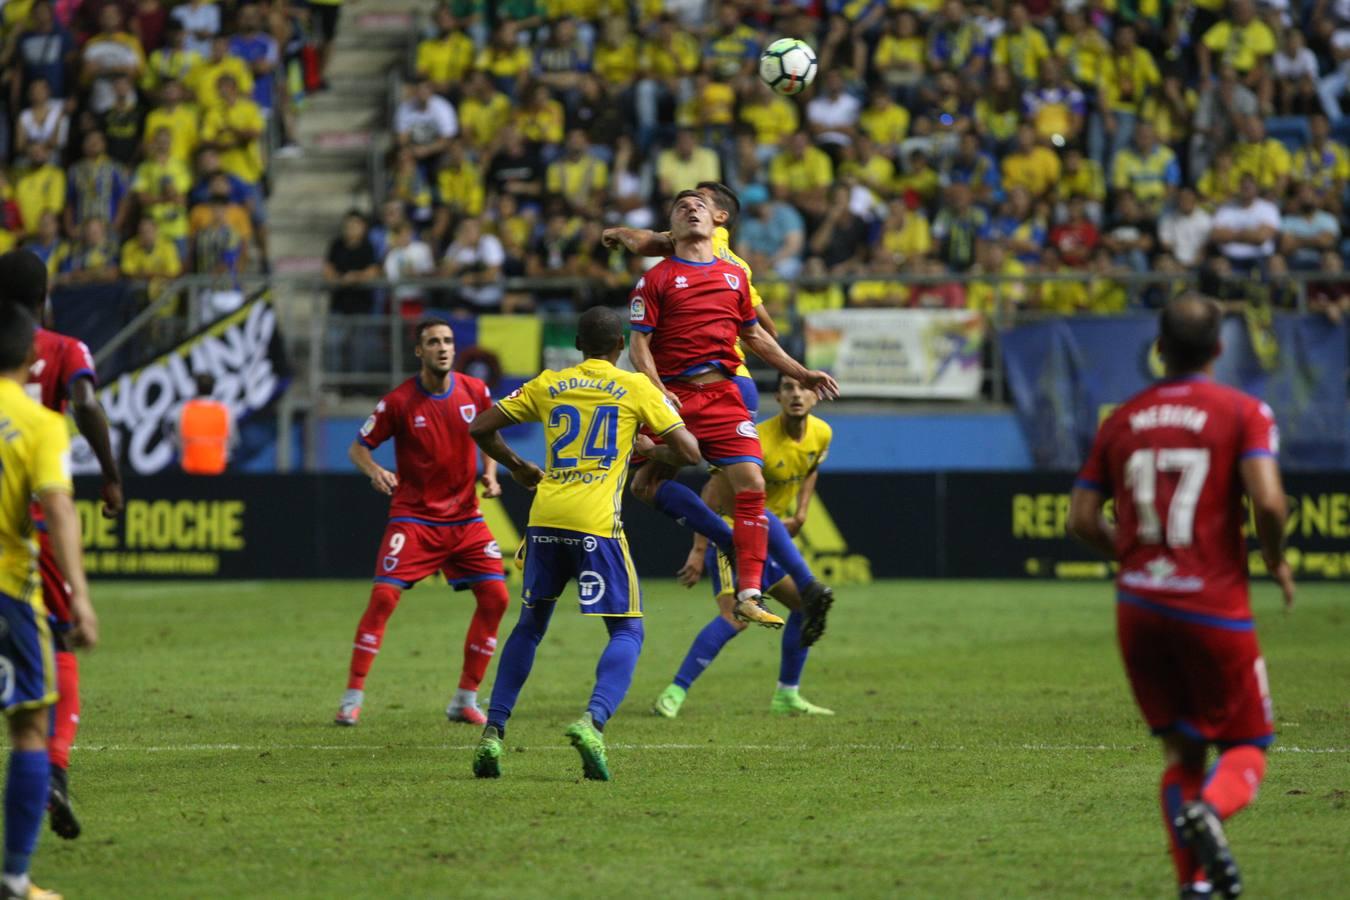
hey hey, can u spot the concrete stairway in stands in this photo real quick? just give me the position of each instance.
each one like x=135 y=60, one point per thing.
x=310 y=193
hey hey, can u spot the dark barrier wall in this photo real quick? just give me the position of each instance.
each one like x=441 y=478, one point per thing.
x=912 y=525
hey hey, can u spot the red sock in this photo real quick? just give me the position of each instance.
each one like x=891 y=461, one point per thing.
x=750 y=534
x=66 y=720
x=383 y=599
x=481 y=641
x=1236 y=779
x=1180 y=786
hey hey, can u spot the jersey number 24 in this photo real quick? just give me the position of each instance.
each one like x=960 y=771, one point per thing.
x=601 y=441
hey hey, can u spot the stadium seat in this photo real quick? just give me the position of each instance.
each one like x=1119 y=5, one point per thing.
x=1292 y=131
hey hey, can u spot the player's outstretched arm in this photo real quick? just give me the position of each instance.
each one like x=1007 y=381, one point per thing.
x=762 y=344
x=63 y=527
x=1087 y=523
x=640 y=355
x=1270 y=509
x=381 y=478
x=93 y=424
x=485 y=431
x=639 y=241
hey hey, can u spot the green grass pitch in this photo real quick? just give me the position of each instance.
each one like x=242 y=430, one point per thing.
x=985 y=746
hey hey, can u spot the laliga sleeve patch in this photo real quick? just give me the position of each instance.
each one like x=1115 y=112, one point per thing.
x=637 y=310
x=747 y=429
x=368 y=427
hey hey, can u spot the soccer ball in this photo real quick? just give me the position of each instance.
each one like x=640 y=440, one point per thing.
x=788 y=65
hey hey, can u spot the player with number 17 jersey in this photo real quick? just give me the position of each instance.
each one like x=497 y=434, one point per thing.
x=1170 y=457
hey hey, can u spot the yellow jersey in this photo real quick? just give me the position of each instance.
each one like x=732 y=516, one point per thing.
x=788 y=462
x=721 y=242
x=34 y=457
x=591 y=413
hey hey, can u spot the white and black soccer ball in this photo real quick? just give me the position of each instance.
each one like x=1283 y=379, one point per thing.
x=788 y=65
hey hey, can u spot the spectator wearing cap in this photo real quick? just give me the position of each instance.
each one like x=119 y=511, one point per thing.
x=685 y=164
x=1307 y=231
x=1184 y=232
x=425 y=123
x=1246 y=229
x=772 y=232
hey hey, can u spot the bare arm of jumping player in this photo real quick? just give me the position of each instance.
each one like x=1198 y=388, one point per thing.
x=1261 y=479
x=640 y=355
x=759 y=342
x=93 y=424
x=381 y=478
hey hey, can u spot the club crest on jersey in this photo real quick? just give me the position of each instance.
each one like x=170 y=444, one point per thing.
x=467 y=411
x=681 y=281
x=637 y=310
x=419 y=421
x=733 y=280
x=747 y=429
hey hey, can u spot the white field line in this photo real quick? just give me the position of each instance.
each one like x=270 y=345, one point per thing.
x=733 y=748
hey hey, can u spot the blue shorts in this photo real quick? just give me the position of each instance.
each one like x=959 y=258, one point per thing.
x=27 y=663
x=607 y=583
x=749 y=394
x=725 y=582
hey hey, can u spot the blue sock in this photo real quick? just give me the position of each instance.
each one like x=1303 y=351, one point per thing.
x=516 y=660
x=687 y=508
x=794 y=654
x=704 y=650
x=614 y=672
x=786 y=554
x=25 y=804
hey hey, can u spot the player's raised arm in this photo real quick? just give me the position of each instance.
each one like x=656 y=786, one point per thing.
x=766 y=348
x=640 y=355
x=485 y=431
x=639 y=241
x=1086 y=522
x=1270 y=509
x=381 y=478
x=93 y=424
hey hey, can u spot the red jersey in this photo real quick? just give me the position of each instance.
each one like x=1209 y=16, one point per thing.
x=436 y=459
x=694 y=313
x=1169 y=456
x=60 y=360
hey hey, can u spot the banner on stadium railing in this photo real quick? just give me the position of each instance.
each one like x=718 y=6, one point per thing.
x=1066 y=375
x=862 y=526
x=243 y=351
x=898 y=352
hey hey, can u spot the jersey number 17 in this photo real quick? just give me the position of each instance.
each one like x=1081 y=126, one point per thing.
x=1141 y=477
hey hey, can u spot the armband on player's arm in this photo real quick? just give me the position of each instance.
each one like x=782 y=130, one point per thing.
x=1087 y=523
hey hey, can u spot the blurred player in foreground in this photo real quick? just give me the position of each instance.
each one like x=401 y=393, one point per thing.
x=434 y=521
x=591 y=413
x=1176 y=459
x=62 y=376
x=675 y=499
x=686 y=314
x=795 y=444
x=34 y=462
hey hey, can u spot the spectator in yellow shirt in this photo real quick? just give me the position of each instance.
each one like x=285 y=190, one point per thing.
x=884 y=120
x=1032 y=166
x=1244 y=42
x=1148 y=170
x=172 y=62
x=1005 y=291
x=918 y=177
x=862 y=162
x=1264 y=158
x=482 y=112
x=161 y=185
x=681 y=167
x=459 y=191
x=801 y=174
x=616 y=55
x=149 y=257
x=505 y=61
x=1128 y=76
x=1021 y=47
x=204 y=80
x=906 y=235
x=579 y=177
x=447 y=57
x=540 y=120
x=235 y=127
x=42 y=189
x=1221 y=181
x=1323 y=163
x=1081 y=179
x=1082 y=48
x=900 y=56
x=180 y=118
x=772 y=117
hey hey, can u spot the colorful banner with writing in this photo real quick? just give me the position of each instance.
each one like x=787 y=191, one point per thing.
x=898 y=352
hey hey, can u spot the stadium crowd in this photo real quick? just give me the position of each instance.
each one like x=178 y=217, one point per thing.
x=941 y=137
x=134 y=134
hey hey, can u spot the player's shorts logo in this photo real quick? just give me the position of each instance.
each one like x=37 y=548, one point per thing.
x=637 y=310
x=467 y=412
x=591 y=587
x=589 y=543
x=747 y=429
x=493 y=550
x=367 y=428
x=390 y=563
x=733 y=280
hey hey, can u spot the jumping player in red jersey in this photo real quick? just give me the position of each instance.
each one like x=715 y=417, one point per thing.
x=434 y=521
x=61 y=378
x=687 y=313
x=1177 y=458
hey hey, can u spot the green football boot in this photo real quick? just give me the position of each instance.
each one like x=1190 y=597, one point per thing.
x=590 y=743
x=487 y=759
x=668 y=704
x=789 y=702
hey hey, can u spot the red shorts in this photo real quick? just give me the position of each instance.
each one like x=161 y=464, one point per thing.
x=1197 y=675
x=55 y=590
x=716 y=416
x=412 y=549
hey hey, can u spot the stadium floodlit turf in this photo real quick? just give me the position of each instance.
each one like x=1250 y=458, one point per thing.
x=985 y=746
